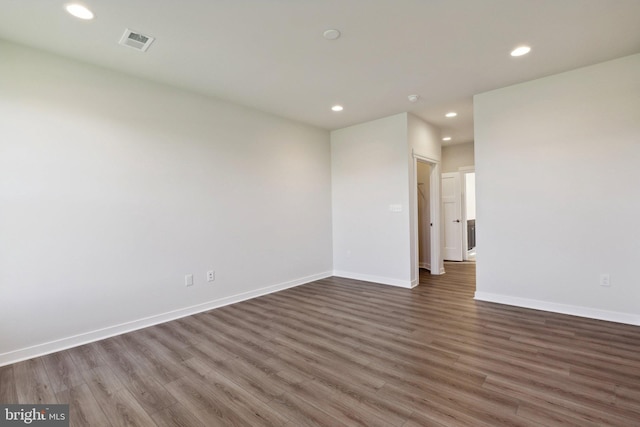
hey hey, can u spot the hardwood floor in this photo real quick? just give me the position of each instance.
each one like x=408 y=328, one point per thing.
x=340 y=352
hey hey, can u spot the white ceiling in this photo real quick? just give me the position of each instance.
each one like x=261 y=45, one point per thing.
x=270 y=54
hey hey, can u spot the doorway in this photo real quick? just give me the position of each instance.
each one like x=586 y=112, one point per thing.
x=459 y=215
x=423 y=173
x=468 y=180
x=425 y=218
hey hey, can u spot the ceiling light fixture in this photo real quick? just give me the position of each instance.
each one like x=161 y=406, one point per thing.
x=79 y=11
x=337 y=108
x=446 y=138
x=451 y=114
x=413 y=98
x=520 y=50
x=331 y=34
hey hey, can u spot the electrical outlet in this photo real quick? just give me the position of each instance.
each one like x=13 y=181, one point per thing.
x=605 y=280
x=188 y=280
x=211 y=276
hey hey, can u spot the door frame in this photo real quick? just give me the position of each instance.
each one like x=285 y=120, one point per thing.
x=437 y=264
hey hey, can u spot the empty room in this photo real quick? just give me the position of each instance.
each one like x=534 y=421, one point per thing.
x=319 y=213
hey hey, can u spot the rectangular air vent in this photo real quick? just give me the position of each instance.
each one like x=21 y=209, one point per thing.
x=136 y=40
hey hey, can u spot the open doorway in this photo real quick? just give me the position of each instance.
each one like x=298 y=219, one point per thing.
x=423 y=172
x=469 y=213
x=426 y=252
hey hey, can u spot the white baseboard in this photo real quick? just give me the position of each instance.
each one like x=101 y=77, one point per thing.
x=376 y=279
x=437 y=272
x=100 y=334
x=425 y=265
x=591 y=313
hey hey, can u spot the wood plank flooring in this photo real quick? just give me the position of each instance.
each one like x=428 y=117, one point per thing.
x=340 y=352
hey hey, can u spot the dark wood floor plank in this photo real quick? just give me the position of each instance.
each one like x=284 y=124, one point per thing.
x=177 y=416
x=155 y=362
x=62 y=371
x=219 y=401
x=342 y=352
x=102 y=381
x=430 y=408
x=32 y=383
x=329 y=363
x=115 y=353
x=550 y=417
x=84 y=409
x=301 y=413
x=333 y=404
x=122 y=409
x=254 y=380
x=586 y=410
x=86 y=357
x=118 y=404
x=8 y=392
x=628 y=397
x=418 y=419
x=151 y=395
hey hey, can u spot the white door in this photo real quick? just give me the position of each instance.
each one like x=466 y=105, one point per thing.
x=452 y=216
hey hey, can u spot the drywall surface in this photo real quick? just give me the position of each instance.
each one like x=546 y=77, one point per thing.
x=374 y=197
x=424 y=138
x=470 y=195
x=457 y=156
x=557 y=191
x=113 y=188
x=370 y=179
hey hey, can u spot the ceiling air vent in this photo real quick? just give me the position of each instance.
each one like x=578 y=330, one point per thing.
x=136 y=40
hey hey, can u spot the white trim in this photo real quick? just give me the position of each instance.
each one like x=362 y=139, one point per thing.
x=423 y=158
x=435 y=182
x=376 y=279
x=574 y=310
x=425 y=265
x=110 y=331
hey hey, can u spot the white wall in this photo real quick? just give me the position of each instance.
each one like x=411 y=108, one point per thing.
x=457 y=156
x=373 y=168
x=424 y=138
x=370 y=173
x=470 y=195
x=113 y=188
x=557 y=163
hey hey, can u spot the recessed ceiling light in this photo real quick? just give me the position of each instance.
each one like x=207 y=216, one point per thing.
x=331 y=34
x=337 y=108
x=446 y=138
x=413 y=98
x=451 y=114
x=520 y=50
x=79 y=11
